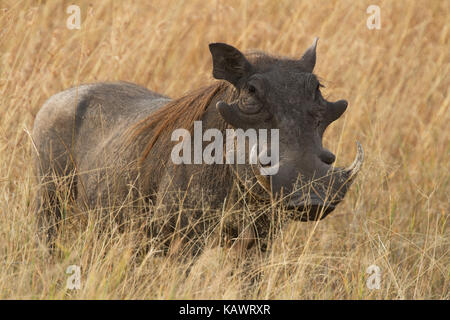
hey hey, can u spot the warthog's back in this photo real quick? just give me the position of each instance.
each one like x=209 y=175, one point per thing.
x=73 y=127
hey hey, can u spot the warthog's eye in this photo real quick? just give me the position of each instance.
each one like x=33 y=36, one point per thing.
x=249 y=101
x=250 y=104
x=316 y=93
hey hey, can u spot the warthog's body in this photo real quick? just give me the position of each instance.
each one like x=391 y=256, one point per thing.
x=112 y=143
x=81 y=130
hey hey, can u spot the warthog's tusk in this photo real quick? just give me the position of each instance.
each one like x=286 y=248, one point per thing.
x=263 y=180
x=355 y=167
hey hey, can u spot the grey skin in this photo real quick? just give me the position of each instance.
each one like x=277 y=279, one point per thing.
x=80 y=138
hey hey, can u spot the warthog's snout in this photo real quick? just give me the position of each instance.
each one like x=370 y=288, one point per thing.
x=315 y=198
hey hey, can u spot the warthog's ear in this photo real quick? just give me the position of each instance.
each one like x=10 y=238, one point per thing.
x=229 y=63
x=308 y=60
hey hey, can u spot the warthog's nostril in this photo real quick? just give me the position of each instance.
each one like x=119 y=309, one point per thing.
x=327 y=157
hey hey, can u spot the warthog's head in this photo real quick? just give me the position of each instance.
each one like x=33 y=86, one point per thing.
x=284 y=94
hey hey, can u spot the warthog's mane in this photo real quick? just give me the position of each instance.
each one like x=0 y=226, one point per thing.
x=182 y=112
x=178 y=113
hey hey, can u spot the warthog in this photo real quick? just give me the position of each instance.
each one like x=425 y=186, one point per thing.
x=112 y=142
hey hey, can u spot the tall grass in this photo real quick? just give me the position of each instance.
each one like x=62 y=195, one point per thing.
x=396 y=80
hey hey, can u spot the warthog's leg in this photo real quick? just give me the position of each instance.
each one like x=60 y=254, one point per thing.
x=48 y=212
x=53 y=198
x=55 y=193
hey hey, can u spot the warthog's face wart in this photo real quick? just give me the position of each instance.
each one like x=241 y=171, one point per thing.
x=284 y=94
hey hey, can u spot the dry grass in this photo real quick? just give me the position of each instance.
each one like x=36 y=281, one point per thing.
x=396 y=81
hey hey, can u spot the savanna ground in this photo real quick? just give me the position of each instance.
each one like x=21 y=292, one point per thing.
x=396 y=80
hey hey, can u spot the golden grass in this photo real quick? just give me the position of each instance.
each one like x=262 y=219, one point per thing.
x=396 y=81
